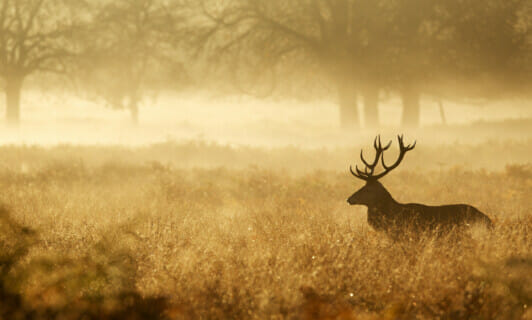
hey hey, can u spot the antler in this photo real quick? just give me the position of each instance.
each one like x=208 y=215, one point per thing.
x=368 y=173
x=370 y=167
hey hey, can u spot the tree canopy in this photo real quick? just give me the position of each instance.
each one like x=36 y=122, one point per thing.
x=125 y=50
x=35 y=36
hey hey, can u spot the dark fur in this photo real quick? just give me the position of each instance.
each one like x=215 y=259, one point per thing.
x=386 y=214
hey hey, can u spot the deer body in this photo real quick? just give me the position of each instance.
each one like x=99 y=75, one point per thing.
x=386 y=214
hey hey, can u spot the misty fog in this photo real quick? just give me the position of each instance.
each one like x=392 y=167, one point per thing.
x=263 y=73
x=52 y=118
x=265 y=159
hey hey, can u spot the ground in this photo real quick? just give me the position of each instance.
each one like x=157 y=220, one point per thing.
x=167 y=231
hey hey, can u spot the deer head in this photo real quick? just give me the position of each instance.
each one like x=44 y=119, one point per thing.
x=374 y=192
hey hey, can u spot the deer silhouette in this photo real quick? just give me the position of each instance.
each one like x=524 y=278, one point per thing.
x=386 y=214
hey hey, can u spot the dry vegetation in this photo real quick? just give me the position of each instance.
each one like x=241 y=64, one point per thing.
x=140 y=239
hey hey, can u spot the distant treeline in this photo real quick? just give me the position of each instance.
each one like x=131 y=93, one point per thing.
x=122 y=52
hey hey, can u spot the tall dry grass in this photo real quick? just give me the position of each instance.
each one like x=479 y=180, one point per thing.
x=145 y=240
x=488 y=154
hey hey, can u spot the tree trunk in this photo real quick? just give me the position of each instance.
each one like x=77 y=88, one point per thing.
x=411 y=107
x=371 y=107
x=442 y=114
x=13 y=91
x=347 y=101
x=134 y=110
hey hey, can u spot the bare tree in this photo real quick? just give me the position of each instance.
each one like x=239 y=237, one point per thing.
x=494 y=41
x=457 y=49
x=34 y=37
x=300 y=35
x=411 y=52
x=130 y=51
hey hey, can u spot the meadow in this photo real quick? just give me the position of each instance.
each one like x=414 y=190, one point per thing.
x=205 y=231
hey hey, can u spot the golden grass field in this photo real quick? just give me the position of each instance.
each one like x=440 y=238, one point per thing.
x=204 y=231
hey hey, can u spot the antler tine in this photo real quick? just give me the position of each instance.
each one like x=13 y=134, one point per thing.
x=377 y=139
x=378 y=144
x=364 y=160
x=384 y=164
x=378 y=150
x=357 y=174
x=387 y=146
x=368 y=173
x=361 y=173
x=402 y=151
x=402 y=145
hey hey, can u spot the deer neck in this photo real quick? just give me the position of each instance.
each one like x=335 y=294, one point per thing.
x=381 y=212
x=386 y=204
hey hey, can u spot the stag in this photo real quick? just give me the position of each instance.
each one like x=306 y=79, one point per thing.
x=386 y=214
